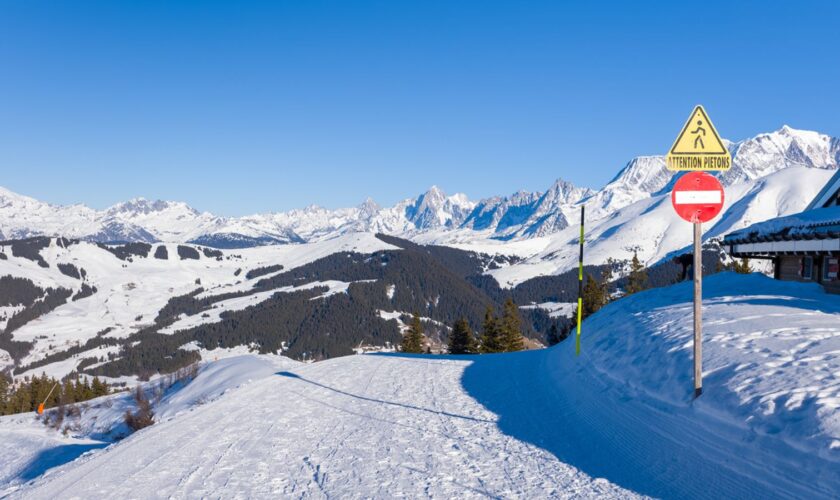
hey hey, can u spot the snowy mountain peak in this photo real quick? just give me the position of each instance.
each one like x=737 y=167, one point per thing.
x=644 y=173
x=433 y=209
x=142 y=206
x=770 y=152
x=519 y=215
x=369 y=208
x=564 y=192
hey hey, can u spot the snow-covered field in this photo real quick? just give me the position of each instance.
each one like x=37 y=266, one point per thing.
x=616 y=420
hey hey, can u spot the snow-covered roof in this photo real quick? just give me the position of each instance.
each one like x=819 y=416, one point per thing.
x=819 y=223
x=830 y=189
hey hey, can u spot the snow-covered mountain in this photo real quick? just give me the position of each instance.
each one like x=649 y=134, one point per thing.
x=431 y=217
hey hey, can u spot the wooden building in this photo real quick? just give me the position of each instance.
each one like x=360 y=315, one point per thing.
x=803 y=247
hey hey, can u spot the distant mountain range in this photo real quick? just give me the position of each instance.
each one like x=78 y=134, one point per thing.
x=101 y=307
x=432 y=215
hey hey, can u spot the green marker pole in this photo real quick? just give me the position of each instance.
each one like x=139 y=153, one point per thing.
x=580 y=286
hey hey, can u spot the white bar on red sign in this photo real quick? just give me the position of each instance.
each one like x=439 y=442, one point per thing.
x=696 y=197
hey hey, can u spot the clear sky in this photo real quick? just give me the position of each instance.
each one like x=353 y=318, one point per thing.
x=243 y=107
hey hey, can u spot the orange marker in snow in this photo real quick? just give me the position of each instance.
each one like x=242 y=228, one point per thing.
x=41 y=406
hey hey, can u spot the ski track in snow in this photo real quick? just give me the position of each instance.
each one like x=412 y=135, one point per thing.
x=360 y=426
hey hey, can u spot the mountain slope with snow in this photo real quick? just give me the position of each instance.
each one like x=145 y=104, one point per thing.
x=651 y=229
x=521 y=215
x=131 y=292
x=531 y=425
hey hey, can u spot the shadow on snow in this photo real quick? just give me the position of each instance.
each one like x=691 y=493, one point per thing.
x=53 y=457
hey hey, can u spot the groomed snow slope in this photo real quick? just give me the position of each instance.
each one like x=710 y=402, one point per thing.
x=353 y=427
x=529 y=425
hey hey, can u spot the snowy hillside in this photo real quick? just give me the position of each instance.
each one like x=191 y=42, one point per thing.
x=651 y=228
x=101 y=421
x=433 y=214
x=616 y=421
x=125 y=295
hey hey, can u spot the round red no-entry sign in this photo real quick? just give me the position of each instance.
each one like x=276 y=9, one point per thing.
x=697 y=197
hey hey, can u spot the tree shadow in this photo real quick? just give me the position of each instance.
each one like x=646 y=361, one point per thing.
x=53 y=457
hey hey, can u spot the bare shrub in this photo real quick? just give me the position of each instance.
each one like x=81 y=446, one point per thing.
x=144 y=416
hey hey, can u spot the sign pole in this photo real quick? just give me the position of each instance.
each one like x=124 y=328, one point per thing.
x=697 y=198
x=698 y=312
x=580 y=285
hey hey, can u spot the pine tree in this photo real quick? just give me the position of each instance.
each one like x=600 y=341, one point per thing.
x=607 y=277
x=511 y=328
x=461 y=340
x=742 y=267
x=69 y=392
x=99 y=388
x=554 y=337
x=595 y=296
x=490 y=340
x=413 y=339
x=637 y=280
x=4 y=393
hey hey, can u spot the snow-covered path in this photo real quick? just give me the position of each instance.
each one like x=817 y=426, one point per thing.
x=359 y=426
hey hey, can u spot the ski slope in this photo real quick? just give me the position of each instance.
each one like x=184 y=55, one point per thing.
x=615 y=422
x=359 y=426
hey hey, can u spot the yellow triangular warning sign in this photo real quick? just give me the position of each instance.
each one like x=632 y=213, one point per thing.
x=698 y=147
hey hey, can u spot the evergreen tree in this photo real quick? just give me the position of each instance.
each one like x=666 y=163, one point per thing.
x=637 y=280
x=461 y=340
x=490 y=335
x=554 y=336
x=4 y=393
x=511 y=328
x=413 y=339
x=742 y=267
x=99 y=388
x=595 y=296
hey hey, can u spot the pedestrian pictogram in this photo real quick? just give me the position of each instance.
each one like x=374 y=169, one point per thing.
x=698 y=147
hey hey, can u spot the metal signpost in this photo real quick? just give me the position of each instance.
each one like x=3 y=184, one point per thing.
x=698 y=197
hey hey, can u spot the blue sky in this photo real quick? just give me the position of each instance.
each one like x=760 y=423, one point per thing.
x=243 y=107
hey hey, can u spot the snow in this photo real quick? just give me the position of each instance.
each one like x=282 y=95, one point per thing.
x=214 y=315
x=651 y=228
x=803 y=222
x=130 y=294
x=60 y=369
x=30 y=448
x=521 y=215
x=5 y=360
x=7 y=312
x=402 y=325
x=616 y=420
x=771 y=355
x=328 y=429
x=555 y=309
